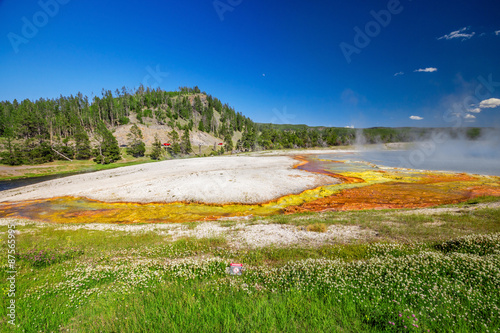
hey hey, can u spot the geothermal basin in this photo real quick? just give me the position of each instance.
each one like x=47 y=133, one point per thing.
x=234 y=186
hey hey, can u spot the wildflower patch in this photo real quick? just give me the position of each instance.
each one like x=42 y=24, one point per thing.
x=41 y=258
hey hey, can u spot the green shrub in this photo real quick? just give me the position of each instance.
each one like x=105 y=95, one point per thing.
x=124 y=120
x=473 y=244
x=316 y=227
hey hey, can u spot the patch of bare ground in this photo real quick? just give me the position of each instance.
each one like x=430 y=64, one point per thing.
x=261 y=235
x=238 y=235
x=21 y=170
x=434 y=224
x=163 y=132
x=450 y=210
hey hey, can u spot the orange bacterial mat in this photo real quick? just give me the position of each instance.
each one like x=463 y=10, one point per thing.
x=363 y=186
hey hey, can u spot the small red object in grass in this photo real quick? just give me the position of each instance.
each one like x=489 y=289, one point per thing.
x=235 y=269
x=166 y=144
x=220 y=144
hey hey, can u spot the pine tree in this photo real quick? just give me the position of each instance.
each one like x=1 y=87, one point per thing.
x=38 y=151
x=228 y=142
x=136 y=146
x=201 y=127
x=12 y=155
x=186 y=143
x=107 y=150
x=157 y=150
x=174 y=136
x=83 y=150
x=175 y=148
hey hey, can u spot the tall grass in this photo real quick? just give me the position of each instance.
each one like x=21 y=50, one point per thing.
x=192 y=308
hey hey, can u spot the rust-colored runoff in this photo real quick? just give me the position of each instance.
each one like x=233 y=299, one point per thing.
x=363 y=186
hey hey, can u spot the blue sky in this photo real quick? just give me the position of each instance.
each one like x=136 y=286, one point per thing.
x=281 y=61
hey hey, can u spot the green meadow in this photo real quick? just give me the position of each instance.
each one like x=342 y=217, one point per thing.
x=425 y=271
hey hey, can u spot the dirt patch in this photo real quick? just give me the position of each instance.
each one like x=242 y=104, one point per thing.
x=162 y=131
x=239 y=235
x=452 y=210
x=261 y=235
x=434 y=224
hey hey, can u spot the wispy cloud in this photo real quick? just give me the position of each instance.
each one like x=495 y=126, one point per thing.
x=426 y=70
x=399 y=73
x=474 y=110
x=490 y=103
x=469 y=116
x=497 y=33
x=462 y=33
x=416 y=118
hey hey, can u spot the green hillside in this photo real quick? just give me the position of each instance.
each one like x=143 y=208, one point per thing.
x=141 y=121
x=74 y=127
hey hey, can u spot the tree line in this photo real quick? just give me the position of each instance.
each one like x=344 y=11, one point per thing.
x=76 y=127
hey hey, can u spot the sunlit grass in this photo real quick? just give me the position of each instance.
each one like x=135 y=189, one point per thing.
x=444 y=268
x=63 y=168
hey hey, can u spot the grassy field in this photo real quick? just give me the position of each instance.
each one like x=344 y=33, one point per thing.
x=424 y=271
x=66 y=167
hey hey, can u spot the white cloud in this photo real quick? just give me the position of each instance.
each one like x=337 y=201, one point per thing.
x=349 y=126
x=475 y=110
x=416 y=118
x=469 y=118
x=458 y=34
x=399 y=73
x=426 y=70
x=497 y=33
x=490 y=103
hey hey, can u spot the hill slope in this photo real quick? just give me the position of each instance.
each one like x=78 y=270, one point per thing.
x=190 y=120
x=68 y=127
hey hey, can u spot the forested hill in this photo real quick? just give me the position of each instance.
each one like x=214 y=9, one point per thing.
x=141 y=121
x=76 y=127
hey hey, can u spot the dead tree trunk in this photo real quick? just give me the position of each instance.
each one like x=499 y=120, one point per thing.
x=60 y=154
